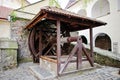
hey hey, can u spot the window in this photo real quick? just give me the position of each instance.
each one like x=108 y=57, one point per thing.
x=115 y=47
x=118 y=4
x=100 y=8
x=103 y=41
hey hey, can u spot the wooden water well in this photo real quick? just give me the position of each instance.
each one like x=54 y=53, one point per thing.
x=49 y=39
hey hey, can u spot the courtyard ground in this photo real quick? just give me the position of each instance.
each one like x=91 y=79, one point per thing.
x=23 y=73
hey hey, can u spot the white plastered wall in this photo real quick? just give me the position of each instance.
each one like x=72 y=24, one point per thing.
x=32 y=9
x=4 y=29
x=14 y=4
x=112 y=29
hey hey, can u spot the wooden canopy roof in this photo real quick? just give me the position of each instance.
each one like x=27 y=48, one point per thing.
x=76 y=21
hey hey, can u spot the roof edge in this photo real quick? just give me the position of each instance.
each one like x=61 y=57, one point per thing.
x=68 y=6
x=28 y=5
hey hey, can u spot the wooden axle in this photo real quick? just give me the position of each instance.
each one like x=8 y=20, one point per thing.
x=70 y=39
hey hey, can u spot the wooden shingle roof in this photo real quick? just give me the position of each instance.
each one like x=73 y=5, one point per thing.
x=76 y=21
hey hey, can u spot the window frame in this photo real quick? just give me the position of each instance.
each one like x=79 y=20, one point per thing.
x=118 y=5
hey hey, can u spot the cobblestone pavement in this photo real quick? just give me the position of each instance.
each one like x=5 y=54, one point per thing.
x=20 y=73
x=23 y=73
x=105 y=73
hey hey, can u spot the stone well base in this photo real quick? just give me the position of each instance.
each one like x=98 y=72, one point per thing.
x=51 y=65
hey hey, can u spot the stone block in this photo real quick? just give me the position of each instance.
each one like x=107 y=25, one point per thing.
x=9 y=58
x=50 y=66
x=0 y=57
x=8 y=53
x=8 y=44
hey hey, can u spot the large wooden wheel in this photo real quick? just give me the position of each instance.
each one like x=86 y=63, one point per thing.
x=42 y=41
x=33 y=43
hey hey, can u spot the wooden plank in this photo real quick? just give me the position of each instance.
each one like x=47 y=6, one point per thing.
x=49 y=49
x=54 y=57
x=48 y=59
x=72 y=61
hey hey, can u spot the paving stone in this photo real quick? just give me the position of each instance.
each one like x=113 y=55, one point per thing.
x=20 y=73
x=99 y=74
x=41 y=73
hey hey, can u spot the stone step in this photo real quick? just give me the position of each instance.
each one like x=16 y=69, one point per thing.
x=41 y=73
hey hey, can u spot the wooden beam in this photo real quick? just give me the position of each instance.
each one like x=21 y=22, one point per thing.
x=49 y=49
x=58 y=47
x=79 y=23
x=71 y=20
x=69 y=58
x=88 y=56
x=35 y=21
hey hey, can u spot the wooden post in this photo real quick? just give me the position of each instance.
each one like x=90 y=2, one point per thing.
x=79 y=53
x=91 y=45
x=58 y=47
x=40 y=44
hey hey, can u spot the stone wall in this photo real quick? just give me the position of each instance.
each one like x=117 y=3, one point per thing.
x=8 y=53
x=21 y=36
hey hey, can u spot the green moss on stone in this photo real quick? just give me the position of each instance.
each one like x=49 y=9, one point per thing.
x=22 y=60
x=8 y=44
x=9 y=53
x=104 y=60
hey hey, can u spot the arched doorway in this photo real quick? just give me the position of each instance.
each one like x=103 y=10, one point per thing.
x=84 y=39
x=103 y=41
